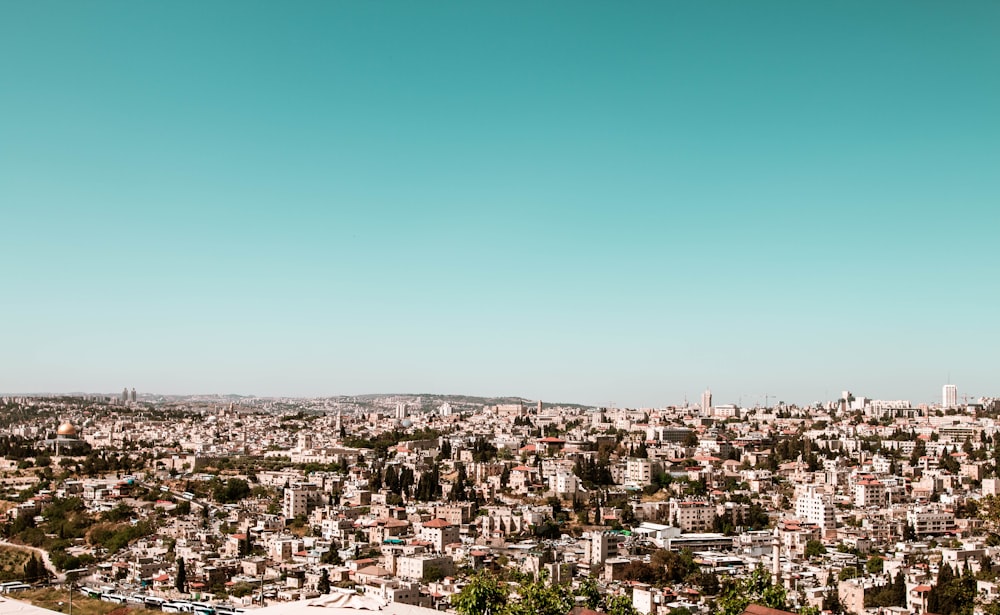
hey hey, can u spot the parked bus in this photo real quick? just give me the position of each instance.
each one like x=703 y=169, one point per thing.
x=13 y=586
x=203 y=609
x=153 y=602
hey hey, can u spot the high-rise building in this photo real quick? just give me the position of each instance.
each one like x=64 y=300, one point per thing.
x=132 y=395
x=401 y=411
x=814 y=506
x=603 y=546
x=300 y=499
x=638 y=472
x=706 y=403
x=125 y=395
x=949 y=396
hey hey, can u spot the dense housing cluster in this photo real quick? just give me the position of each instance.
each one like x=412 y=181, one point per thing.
x=476 y=505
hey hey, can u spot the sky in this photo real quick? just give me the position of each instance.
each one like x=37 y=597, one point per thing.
x=578 y=201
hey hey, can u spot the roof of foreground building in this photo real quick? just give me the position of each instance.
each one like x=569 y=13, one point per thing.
x=338 y=604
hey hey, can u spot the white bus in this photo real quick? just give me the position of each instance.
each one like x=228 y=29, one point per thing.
x=153 y=602
x=13 y=586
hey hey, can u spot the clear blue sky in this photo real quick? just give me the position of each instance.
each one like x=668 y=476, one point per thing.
x=575 y=201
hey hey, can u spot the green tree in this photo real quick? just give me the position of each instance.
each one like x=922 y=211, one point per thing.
x=323 y=586
x=620 y=605
x=593 y=599
x=119 y=513
x=947 y=462
x=831 y=599
x=874 y=564
x=540 y=597
x=815 y=548
x=34 y=569
x=484 y=595
x=753 y=589
x=707 y=581
x=432 y=574
x=181 y=580
x=849 y=572
x=232 y=491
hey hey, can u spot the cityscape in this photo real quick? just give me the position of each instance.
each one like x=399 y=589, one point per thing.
x=423 y=503
x=350 y=307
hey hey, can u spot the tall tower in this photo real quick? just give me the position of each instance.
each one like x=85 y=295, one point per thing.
x=706 y=403
x=949 y=396
x=125 y=395
x=132 y=395
x=776 y=559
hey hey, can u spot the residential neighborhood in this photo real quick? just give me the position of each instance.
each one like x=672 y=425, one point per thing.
x=854 y=505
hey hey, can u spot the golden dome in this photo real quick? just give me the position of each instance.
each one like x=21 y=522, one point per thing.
x=66 y=429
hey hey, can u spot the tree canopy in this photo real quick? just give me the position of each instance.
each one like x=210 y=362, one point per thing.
x=756 y=588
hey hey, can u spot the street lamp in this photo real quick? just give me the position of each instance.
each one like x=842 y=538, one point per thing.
x=69 y=584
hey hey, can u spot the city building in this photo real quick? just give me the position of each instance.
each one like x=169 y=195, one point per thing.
x=439 y=533
x=949 y=396
x=692 y=515
x=301 y=499
x=817 y=508
x=638 y=473
x=930 y=520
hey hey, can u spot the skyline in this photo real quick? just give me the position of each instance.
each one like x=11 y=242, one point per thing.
x=748 y=400
x=571 y=201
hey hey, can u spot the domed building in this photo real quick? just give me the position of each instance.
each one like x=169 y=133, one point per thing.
x=67 y=440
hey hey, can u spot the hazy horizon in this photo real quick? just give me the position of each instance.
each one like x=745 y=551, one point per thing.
x=748 y=400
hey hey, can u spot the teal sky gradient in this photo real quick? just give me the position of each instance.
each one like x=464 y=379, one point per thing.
x=577 y=201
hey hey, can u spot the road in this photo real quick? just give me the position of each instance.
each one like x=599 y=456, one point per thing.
x=44 y=555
